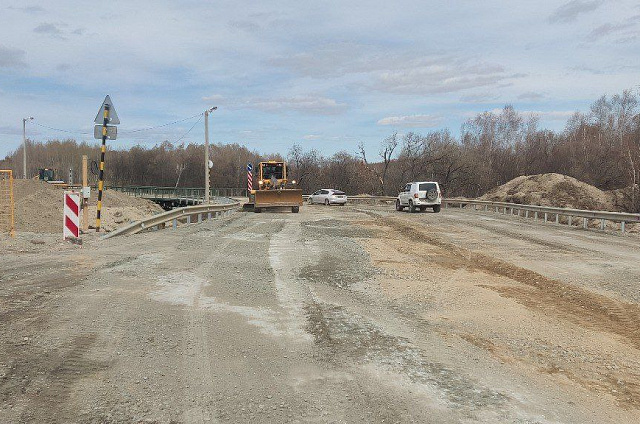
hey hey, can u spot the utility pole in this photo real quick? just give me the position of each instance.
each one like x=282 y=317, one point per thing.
x=206 y=153
x=24 y=146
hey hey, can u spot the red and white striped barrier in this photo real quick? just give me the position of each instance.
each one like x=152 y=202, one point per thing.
x=71 y=217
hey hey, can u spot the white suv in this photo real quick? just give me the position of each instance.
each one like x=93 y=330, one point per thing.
x=422 y=194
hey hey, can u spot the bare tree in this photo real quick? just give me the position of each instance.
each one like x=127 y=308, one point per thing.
x=387 y=147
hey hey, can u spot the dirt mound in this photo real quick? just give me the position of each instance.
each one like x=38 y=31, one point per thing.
x=38 y=208
x=553 y=190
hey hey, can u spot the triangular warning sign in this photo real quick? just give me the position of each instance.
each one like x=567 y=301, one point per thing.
x=113 y=116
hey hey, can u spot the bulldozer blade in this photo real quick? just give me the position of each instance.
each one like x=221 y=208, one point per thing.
x=275 y=198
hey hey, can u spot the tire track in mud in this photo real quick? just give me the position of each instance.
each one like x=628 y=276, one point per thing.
x=578 y=305
x=552 y=297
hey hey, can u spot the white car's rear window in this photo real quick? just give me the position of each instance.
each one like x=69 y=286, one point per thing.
x=427 y=187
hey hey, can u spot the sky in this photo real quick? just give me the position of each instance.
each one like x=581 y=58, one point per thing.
x=326 y=75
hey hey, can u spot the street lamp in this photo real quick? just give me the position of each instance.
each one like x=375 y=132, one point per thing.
x=206 y=152
x=24 y=146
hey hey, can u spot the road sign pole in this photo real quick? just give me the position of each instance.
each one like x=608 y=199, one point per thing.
x=103 y=150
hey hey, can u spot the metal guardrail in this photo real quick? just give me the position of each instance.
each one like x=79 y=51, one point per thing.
x=547 y=212
x=187 y=213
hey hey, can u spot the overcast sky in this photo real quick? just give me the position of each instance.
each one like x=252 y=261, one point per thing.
x=324 y=74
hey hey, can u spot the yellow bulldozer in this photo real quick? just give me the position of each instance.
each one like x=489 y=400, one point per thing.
x=274 y=190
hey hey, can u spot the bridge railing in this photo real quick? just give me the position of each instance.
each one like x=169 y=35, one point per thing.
x=179 y=192
x=548 y=213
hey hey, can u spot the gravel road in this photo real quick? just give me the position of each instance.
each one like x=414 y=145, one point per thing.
x=355 y=314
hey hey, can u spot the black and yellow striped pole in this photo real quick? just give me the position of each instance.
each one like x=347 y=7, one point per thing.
x=103 y=150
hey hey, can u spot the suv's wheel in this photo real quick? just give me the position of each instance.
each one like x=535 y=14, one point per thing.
x=436 y=208
x=412 y=207
x=423 y=208
x=399 y=206
x=326 y=202
x=295 y=209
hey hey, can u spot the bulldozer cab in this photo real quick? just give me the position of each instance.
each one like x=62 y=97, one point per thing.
x=272 y=175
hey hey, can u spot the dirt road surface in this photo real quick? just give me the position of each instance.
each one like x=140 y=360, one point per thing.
x=354 y=314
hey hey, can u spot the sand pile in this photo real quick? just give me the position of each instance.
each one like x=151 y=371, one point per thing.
x=38 y=208
x=553 y=190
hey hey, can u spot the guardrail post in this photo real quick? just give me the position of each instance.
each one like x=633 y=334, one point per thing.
x=175 y=223
x=584 y=223
x=535 y=215
x=199 y=218
x=602 y=222
x=188 y=219
x=557 y=218
x=209 y=215
x=622 y=226
x=569 y=218
x=545 y=217
x=526 y=214
x=485 y=208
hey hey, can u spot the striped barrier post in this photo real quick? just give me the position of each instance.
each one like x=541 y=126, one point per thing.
x=71 y=215
x=249 y=177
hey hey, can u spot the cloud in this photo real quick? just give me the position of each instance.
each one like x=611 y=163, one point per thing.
x=531 y=96
x=412 y=121
x=439 y=78
x=480 y=98
x=611 y=28
x=28 y=9
x=12 y=58
x=570 y=11
x=303 y=104
x=338 y=59
x=48 y=29
x=214 y=98
x=398 y=71
x=311 y=137
x=312 y=105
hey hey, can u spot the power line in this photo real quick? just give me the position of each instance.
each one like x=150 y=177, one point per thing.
x=163 y=125
x=127 y=132
x=193 y=126
x=58 y=129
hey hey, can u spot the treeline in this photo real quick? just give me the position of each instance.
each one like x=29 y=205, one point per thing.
x=600 y=147
x=161 y=165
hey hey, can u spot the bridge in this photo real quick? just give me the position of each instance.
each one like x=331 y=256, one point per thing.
x=172 y=197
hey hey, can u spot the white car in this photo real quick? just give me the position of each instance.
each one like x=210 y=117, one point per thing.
x=420 y=195
x=329 y=196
